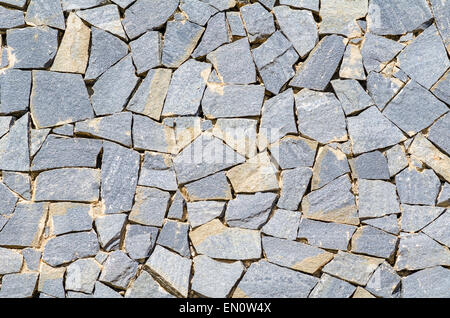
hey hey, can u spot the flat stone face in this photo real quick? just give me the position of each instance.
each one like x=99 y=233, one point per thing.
x=352 y=96
x=214 y=187
x=258 y=21
x=202 y=212
x=438 y=229
x=215 y=35
x=70 y=217
x=65 y=93
x=145 y=286
x=14 y=147
x=15 y=86
x=283 y=224
x=174 y=235
x=10 y=261
x=118 y=270
x=397 y=160
x=382 y=88
x=332 y=287
x=109 y=228
x=293 y=186
x=239 y=134
x=150 y=206
x=329 y=164
x=339 y=17
x=146 y=51
x=197 y=11
x=151 y=135
x=78 y=4
x=11 y=18
x=50 y=14
x=236 y=25
x=372 y=166
x=267 y=280
x=384 y=282
x=438 y=133
x=293 y=152
x=352 y=63
x=440 y=10
x=106 y=17
x=377 y=51
x=81 y=275
x=139 y=240
x=369 y=204
x=103 y=291
x=428 y=283
x=416 y=217
x=18 y=285
x=371 y=241
x=8 y=200
x=409 y=181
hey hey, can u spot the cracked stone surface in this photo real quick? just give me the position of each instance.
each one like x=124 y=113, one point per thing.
x=224 y=148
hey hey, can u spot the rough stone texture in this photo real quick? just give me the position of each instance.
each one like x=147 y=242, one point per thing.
x=397 y=160
x=293 y=186
x=372 y=166
x=215 y=35
x=15 y=86
x=438 y=133
x=417 y=187
x=352 y=63
x=109 y=229
x=352 y=96
x=145 y=286
x=70 y=217
x=332 y=287
x=149 y=206
x=371 y=241
x=329 y=164
x=339 y=17
x=146 y=51
x=106 y=17
x=439 y=230
x=384 y=282
x=382 y=88
x=416 y=217
x=118 y=270
x=81 y=275
x=377 y=51
x=293 y=152
x=282 y=224
x=369 y=194
x=10 y=261
x=428 y=283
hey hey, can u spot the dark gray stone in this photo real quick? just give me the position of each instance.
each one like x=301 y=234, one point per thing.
x=146 y=51
x=118 y=270
x=150 y=206
x=216 y=34
x=174 y=235
x=70 y=217
x=329 y=164
x=140 y=240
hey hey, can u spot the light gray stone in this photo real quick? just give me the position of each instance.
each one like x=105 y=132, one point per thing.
x=283 y=224
x=197 y=11
x=69 y=5
x=236 y=24
x=146 y=51
x=150 y=206
x=372 y=165
x=428 y=283
x=5 y=124
x=417 y=187
x=214 y=187
x=294 y=152
x=145 y=286
x=10 y=261
x=15 y=86
x=14 y=147
x=352 y=96
x=50 y=14
x=374 y=242
x=221 y=5
x=384 y=282
x=332 y=287
x=294 y=183
x=176 y=209
x=387 y=223
x=32 y=258
x=109 y=229
x=140 y=240
x=258 y=21
x=382 y=88
x=18 y=285
x=239 y=134
x=416 y=217
x=81 y=275
x=439 y=133
x=216 y=34
x=377 y=51
x=439 y=230
x=151 y=135
x=11 y=18
x=174 y=235
x=397 y=160
x=7 y=198
x=70 y=217
x=369 y=194
x=329 y=164
x=352 y=64
x=103 y=291
x=64 y=130
x=202 y=212
x=105 y=17
x=312 y=5
x=340 y=17
x=118 y=270
x=37 y=138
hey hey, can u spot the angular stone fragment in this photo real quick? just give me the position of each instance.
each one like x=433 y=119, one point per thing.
x=32 y=258
x=64 y=130
x=416 y=217
x=293 y=186
x=439 y=134
x=377 y=51
x=197 y=11
x=18 y=285
x=370 y=130
x=146 y=15
x=266 y=280
x=399 y=17
x=50 y=14
x=215 y=35
x=158 y=176
x=384 y=282
x=11 y=18
x=140 y=240
x=444 y=196
x=109 y=229
x=329 y=164
x=316 y=72
x=332 y=287
x=294 y=152
x=176 y=210
x=382 y=88
x=151 y=135
x=418 y=251
x=218 y=241
x=312 y=5
x=339 y=17
x=150 y=206
x=70 y=217
x=145 y=286
x=397 y=160
x=37 y=138
x=15 y=86
x=113 y=89
x=352 y=64
x=10 y=261
x=176 y=277
x=369 y=194
x=236 y=25
x=204 y=211
x=186 y=128
x=352 y=96
x=239 y=134
x=226 y=101
x=416 y=187
x=5 y=123
x=146 y=51
x=371 y=241
x=106 y=50
x=105 y=17
x=103 y=291
x=372 y=165
x=215 y=279
x=58 y=98
x=283 y=224
x=118 y=270
x=214 y=187
x=7 y=198
x=69 y=5
x=68 y=184
x=81 y=275
x=428 y=283
x=387 y=223
x=258 y=21
x=439 y=229
x=174 y=235
x=70 y=247
x=334 y=202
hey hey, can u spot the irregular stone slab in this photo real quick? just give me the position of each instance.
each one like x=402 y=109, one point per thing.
x=176 y=209
x=426 y=152
x=312 y=5
x=68 y=184
x=369 y=194
x=70 y=247
x=255 y=175
x=103 y=291
x=218 y=241
x=239 y=134
x=399 y=17
x=372 y=165
x=140 y=240
x=332 y=287
x=145 y=286
x=180 y=40
x=387 y=223
x=225 y=276
x=293 y=186
x=371 y=241
x=151 y=176
x=221 y=5
x=418 y=251
x=214 y=187
x=352 y=96
x=370 y=130
x=202 y=212
x=294 y=152
x=384 y=282
x=429 y=44
x=25 y=227
x=32 y=258
x=151 y=135
x=258 y=21
x=73 y=52
x=320 y=116
x=81 y=275
x=146 y=51
x=70 y=217
x=174 y=235
x=438 y=230
x=250 y=211
x=226 y=101
x=120 y=168
x=428 y=283
x=236 y=24
x=11 y=18
x=303 y=38
x=215 y=35
x=176 y=277
x=266 y=280
x=283 y=224
x=116 y=127
x=58 y=98
x=334 y=202
x=105 y=17
x=7 y=198
x=352 y=64
x=377 y=51
x=440 y=11
x=444 y=196
x=18 y=285
x=277 y=119
x=113 y=89
x=69 y=5
x=57 y=152
x=187 y=128
x=5 y=123
x=186 y=88
x=109 y=229
x=146 y=15
x=50 y=14
x=295 y=255
x=16 y=3
x=329 y=164
x=64 y=130
x=382 y=88
x=339 y=17
x=37 y=138
x=397 y=160
x=10 y=261
x=118 y=270
x=416 y=217
x=416 y=187
x=439 y=135
x=316 y=72
x=150 y=206
x=106 y=50
x=197 y=11
x=362 y=293
x=230 y=70
x=18 y=182
x=15 y=86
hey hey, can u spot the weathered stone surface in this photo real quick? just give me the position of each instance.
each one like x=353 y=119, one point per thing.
x=444 y=196
x=339 y=17
x=146 y=51
x=312 y=5
x=428 y=283
x=258 y=21
x=7 y=198
x=70 y=217
x=10 y=261
x=283 y=224
x=316 y=72
x=372 y=165
x=150 y=206
x=118 y=270
x=332 y=287
x=397 y=160
x=384 y=282
x=382 y=88
x=64 y=130
x=109 y=229
x=103 y=291
x=105 y=17
x=176 y=209
x=371 y=241
x=32 y=258
x=14 y=147
x=439 y=230
x=439 y=134
x=417 y=187
x=197 y=11
x=416 y=217
x=202 y=212
x=114 y=87
x=176 y=277
x=362 y=293
x=70 y=247
x=81 y=275
x=352 y=96
x=174 y=235
x=5 y=123
x=11 y=18
x=151 y=135
x=145 y=286
x=377 y=51
x=15 y=86
x=387 y=223
x=352 y=63
x=218 y=241
x=221 y=5
x=440 y=10
x=140 y=240
x=69 y=5
x=50 y=14
x=418 y=251
x=236 y=25
x=369 y=194
x=239 y=134
x=329 y=164
x=157 y=171
x=37 y=138
x=294 y=152
x=215 y=35
x=266 y=280
x=215 y=279
x=370 y=130
x=214 y=187
x=294 y=183
x=18 y=285
x=58 y=98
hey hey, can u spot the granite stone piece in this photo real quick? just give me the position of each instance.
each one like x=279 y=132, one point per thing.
x=239 y=134
x=382 y=88
x=428 y=283
x=109 y=229
x=145 y=286
x=439 y=133
x=202 y=212
x=81 y=275
x=352 y=96
x=105 y=17
x=384 y=282
x=332 y=287
x=416 y=217
x=352 y=64
x=283 y=224
x=11 y=18
x=14 y=147
x=70 y=217
x=387 y=223
x=293 y=152
x=15 y=86
x=151 y=135
x=377 y=51
x=5 y=123
x=444 y=196
x=439 y=230
x=374 y=242
x=369 y=194
x=69 y=5
x=294 y=183
x=7 y=198
x=216 y=34
x=339 y=17
x=214 y=187
x=236 y=25
x=329 y=164
x=146 y=51
x=20 y=285
x=371 y=165
x=140 y=240
x=118 y=270
x=174 y=235
x=417 y=187
x=150 y=206
x=103 y=291
x=397 y=160
x=258 y=21
x=10 y=261
x=197 y=11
